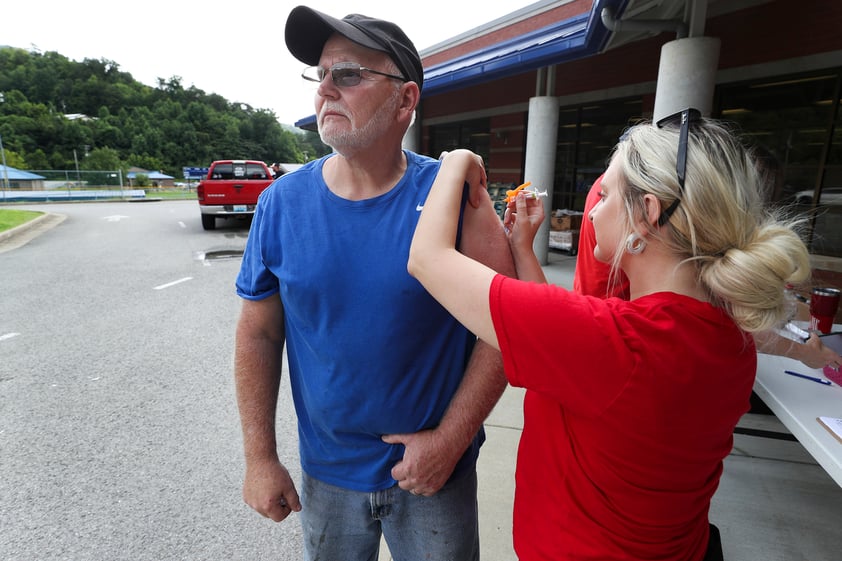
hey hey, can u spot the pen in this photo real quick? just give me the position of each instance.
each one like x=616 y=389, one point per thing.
x=813 y=378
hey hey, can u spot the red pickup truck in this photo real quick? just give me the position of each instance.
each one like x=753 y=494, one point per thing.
x=230 y=189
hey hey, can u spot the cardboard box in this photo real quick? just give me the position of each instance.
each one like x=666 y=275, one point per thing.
x=565 y=240
x=566 y=220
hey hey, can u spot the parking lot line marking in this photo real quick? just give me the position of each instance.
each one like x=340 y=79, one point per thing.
x=173 y=283
x=8 y=336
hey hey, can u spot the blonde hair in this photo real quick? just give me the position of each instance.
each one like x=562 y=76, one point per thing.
x=745 y=253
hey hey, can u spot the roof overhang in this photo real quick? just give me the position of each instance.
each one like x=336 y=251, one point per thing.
x=577 y=37
x=7 y=172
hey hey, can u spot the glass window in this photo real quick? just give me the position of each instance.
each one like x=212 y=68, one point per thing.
x=223 y=171
x=256 y=171
x=473 y=135
x=586 y=136
x=790 y=121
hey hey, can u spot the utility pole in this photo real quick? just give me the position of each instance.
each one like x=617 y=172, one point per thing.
x=78 y=177
x=3 y=153
x=5 y=169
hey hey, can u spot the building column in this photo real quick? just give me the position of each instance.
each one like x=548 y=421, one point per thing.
x=539 y=167
x=686 y=76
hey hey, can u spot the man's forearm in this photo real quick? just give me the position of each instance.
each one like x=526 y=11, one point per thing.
x=481 y=388
x=257 y=374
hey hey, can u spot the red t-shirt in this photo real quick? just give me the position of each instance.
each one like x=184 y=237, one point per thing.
x=591 y=277
x=629 y=411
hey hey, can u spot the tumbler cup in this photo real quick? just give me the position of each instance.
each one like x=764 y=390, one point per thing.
x=823 y=305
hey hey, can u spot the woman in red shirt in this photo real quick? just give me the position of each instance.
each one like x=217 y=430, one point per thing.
x=630 y=405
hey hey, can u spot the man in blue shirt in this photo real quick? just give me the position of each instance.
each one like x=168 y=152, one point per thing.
x=390 y=391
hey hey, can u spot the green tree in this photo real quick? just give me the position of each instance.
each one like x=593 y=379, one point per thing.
x=166 y=127
x=312 y=146
x=37 y=160
x=102 y=159
x=13 y=159
x=141 y=180
x=143 y=162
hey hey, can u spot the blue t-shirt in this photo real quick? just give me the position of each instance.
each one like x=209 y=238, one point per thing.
x=370 y=351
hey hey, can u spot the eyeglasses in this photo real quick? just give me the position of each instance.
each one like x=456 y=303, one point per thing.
x=683 y=118
x=343 y=74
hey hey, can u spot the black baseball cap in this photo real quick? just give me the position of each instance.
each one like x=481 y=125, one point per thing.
x=307 y=31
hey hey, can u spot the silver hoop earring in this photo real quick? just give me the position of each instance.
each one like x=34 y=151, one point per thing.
x=635 y=244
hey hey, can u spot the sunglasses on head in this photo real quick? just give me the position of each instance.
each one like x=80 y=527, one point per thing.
x=343 y=74
x=681 y=119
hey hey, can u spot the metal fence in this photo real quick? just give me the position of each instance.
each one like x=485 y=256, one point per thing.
x=67 y=185
x=79 y=179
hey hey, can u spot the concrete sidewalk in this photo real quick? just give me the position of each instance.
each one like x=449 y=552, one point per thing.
x=20 y=235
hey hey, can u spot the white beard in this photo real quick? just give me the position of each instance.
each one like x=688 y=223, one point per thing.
x=359 y=138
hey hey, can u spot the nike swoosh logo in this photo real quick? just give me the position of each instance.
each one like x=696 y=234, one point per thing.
x=419 y=208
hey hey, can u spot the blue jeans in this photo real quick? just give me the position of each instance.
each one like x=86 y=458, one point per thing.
x=344 y=525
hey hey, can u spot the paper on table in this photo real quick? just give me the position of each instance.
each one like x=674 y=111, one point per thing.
x=832 y=424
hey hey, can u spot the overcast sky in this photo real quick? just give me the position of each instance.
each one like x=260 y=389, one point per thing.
x=233 y=48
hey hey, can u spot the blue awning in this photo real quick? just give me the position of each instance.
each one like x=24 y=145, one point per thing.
x=149 y=175
x=578 y=37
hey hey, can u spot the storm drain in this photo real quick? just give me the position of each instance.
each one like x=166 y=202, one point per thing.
x=219 y=254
